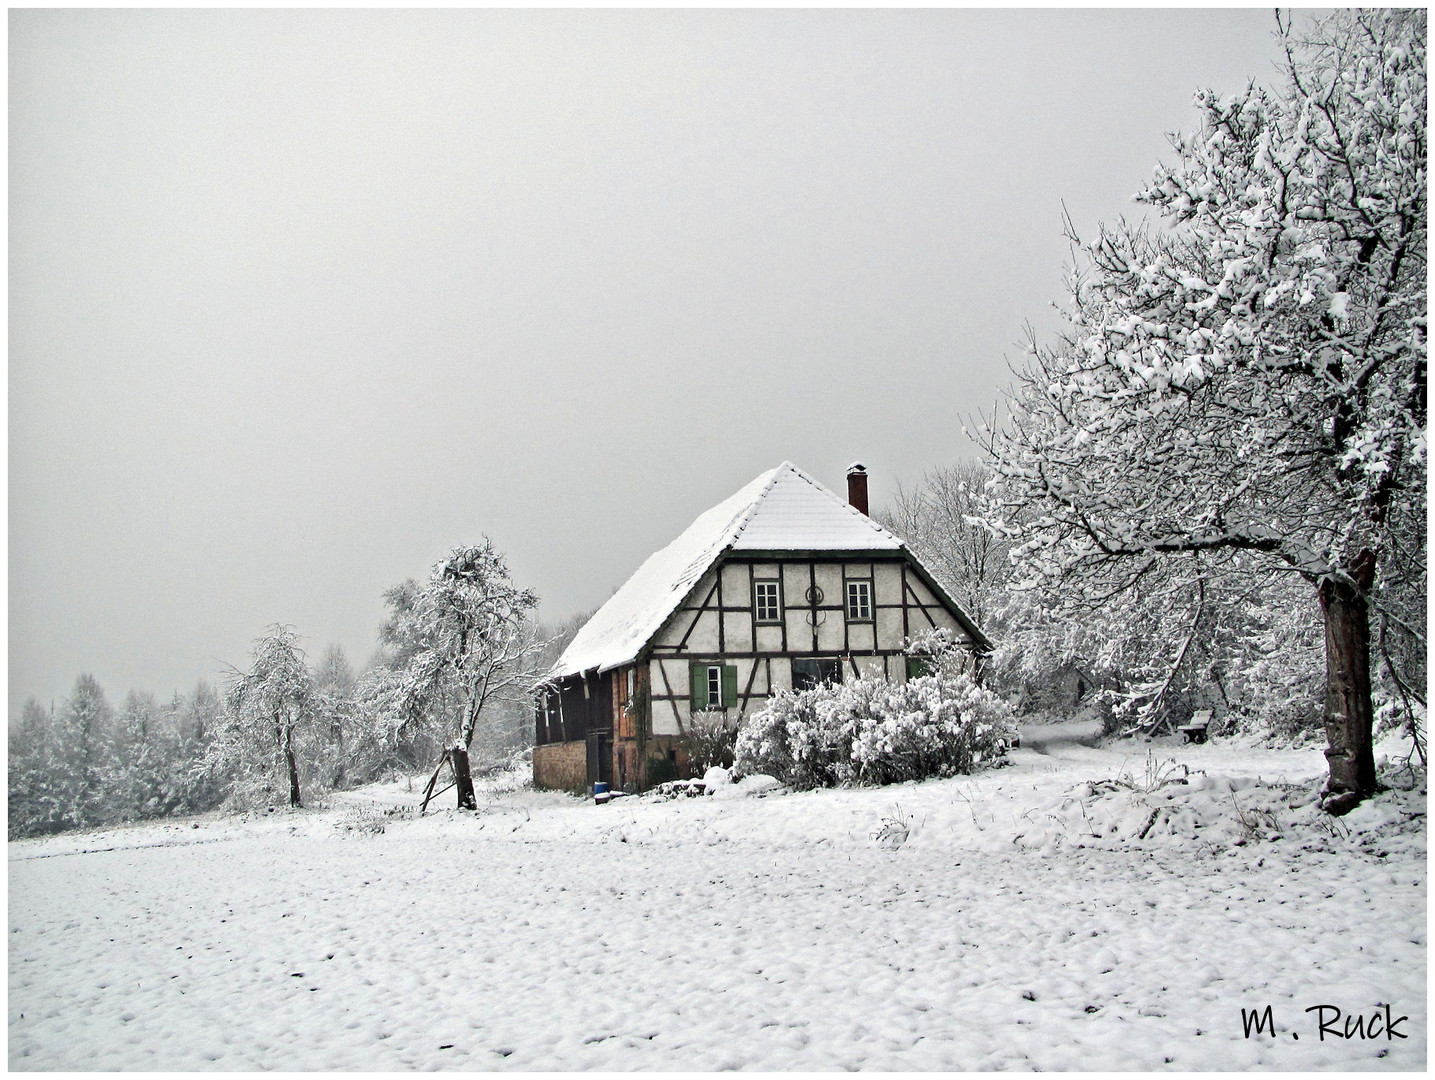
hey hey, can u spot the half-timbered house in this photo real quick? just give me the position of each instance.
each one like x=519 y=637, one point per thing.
x=781 y=586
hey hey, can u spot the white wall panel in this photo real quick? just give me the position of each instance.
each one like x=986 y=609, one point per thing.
x=869 y=666
x=736 y=589
x=769 y=639
x=861 y=637
x=889 y=630
x=737 y=631
x=799 y=633
x=677 y=680
x=678 y=623
x=794 y=583
x=704 y=638
x=887 y=583
x=781 y=674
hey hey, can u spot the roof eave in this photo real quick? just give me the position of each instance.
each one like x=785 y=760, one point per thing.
x=979 y=639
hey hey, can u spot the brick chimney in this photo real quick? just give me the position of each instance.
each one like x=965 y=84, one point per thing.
x=857 y=486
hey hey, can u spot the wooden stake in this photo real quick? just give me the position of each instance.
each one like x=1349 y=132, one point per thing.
x=428 y=791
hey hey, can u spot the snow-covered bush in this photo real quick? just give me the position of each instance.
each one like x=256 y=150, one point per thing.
x=936 y=725
x=875 y=732
x=708 y=740
x=800 y=738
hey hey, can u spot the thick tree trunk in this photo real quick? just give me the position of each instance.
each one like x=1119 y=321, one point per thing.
x=294 y=799
x=1349 y=715
x=463 y=779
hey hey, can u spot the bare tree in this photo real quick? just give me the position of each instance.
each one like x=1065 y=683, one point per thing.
x=940 y=519
x=335 y=692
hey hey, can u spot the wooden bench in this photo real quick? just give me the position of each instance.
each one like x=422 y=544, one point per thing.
x=1195 y=731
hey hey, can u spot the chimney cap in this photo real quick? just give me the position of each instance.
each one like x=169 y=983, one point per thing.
x=856 y=467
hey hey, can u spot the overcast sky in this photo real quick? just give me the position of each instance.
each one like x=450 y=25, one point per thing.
x=301 y=300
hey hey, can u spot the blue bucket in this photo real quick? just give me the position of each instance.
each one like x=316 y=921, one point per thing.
x=600 y=792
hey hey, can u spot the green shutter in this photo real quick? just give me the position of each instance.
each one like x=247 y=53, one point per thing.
x=699 y=678
x=729 y=686
x=917 y=667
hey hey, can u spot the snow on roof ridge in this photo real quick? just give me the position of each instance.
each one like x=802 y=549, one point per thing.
x=747 y=515
x=890 y=538
x=736 y=524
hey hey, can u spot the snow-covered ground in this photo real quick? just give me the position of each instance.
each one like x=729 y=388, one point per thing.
x=1082 y=908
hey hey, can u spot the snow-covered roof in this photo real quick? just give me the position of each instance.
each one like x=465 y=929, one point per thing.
x=784 y=509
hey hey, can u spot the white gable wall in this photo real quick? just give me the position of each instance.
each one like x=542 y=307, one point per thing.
x=763 y=665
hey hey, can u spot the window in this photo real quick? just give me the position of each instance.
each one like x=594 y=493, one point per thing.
x=918 y=667
x=555 y=719
x=859 y=600
x=624 y=709
x=714 y=686
x=550 y=720
x=766 y=605
x=809 y=673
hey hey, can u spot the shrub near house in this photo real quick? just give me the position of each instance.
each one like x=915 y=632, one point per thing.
x=875 y=732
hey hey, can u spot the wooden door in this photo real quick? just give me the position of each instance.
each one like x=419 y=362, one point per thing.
x=600 y=757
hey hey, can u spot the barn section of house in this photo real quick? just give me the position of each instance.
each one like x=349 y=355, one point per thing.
x=781 y=586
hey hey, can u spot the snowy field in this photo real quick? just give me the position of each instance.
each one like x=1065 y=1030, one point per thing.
x=1080 y=909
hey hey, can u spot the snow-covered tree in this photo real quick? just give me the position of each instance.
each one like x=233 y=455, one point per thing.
x=80 y=752
x=336 y=706
x=1272 y=665
x=939 y=519
x=396 y=726
x=334 y=674
x=462 y=640
x=196 y=718
x=264 y=709
x=59 y=762
x=1243 y=391
x=142 y=760
x=38 y=801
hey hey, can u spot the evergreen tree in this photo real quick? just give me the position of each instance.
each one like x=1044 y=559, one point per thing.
x=81 y=750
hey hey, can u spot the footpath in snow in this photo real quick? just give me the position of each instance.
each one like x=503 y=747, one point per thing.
x=1083 y=908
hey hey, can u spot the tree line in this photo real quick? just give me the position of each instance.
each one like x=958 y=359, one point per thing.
x=456 y=659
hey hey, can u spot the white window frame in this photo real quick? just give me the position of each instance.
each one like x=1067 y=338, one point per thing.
x=859 y=599
x=760 y=590
x=714 y=686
